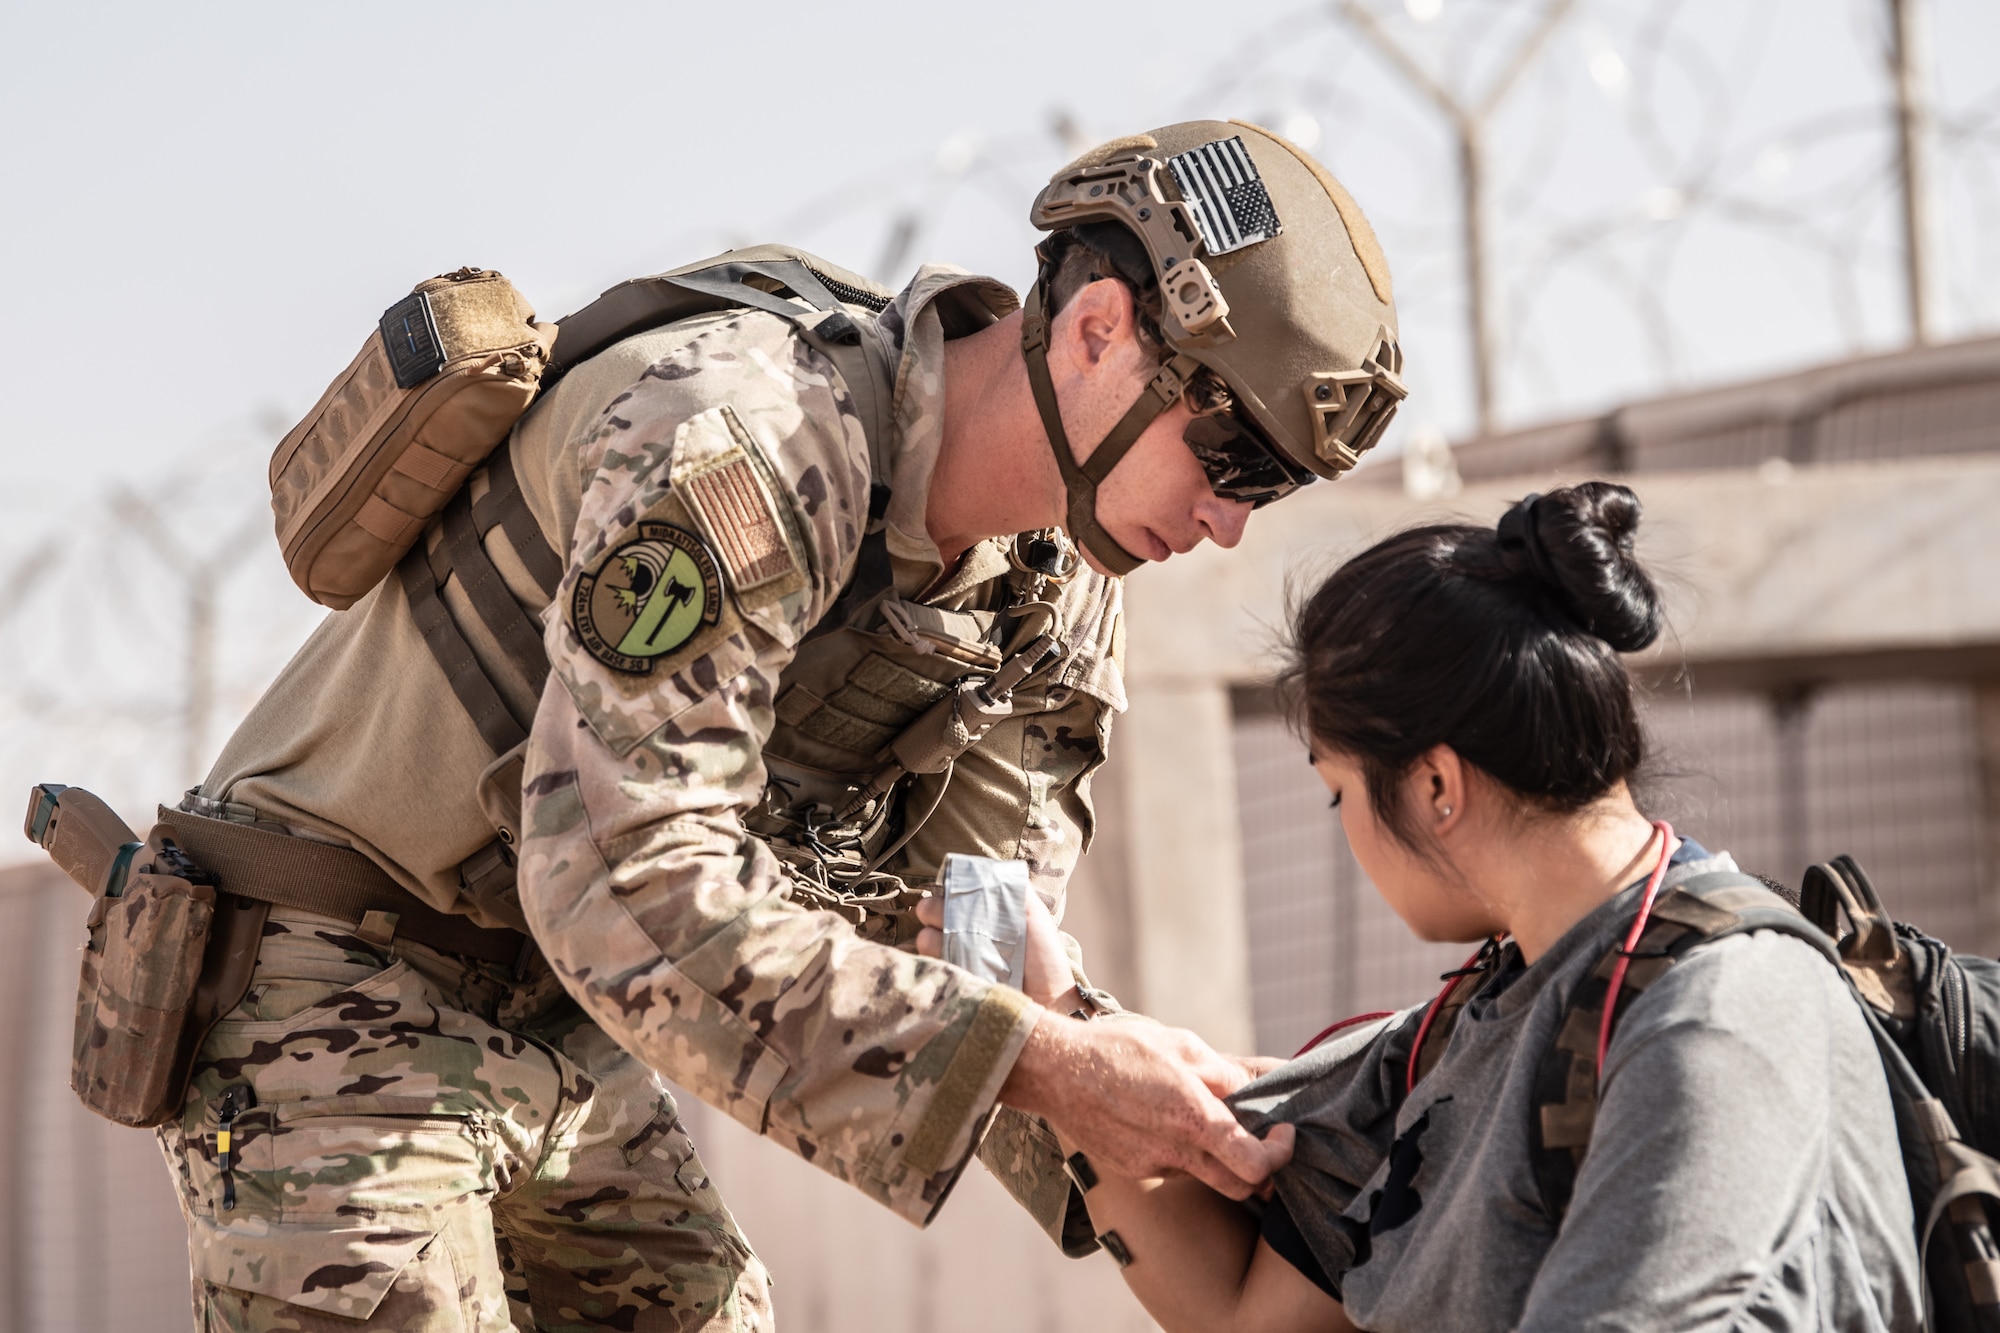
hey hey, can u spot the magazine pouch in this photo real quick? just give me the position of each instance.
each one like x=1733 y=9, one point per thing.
x=148 y=933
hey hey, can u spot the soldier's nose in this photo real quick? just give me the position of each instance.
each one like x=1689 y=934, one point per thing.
x=1222 y=521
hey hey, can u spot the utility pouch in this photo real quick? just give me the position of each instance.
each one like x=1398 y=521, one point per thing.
x=434 y=391
x=148 y=934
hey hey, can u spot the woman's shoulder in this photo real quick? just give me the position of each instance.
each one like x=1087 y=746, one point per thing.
x=1755 y=996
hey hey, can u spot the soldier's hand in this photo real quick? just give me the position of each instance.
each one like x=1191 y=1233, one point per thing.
x=1256 y=1066
x=1142 y=1100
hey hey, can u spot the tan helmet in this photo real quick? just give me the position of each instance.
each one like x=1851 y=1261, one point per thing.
x=1268 y=275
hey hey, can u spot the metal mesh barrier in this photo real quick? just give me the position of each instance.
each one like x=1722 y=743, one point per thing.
x=1888 y=772
x=1323 y=944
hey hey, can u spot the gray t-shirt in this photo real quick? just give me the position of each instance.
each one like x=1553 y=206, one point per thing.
x=1743 y=1173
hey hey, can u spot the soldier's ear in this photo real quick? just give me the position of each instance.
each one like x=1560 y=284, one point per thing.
x=1103 y=322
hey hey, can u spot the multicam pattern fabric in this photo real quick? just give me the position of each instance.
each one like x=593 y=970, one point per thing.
x=675 y=928
x=436 y=1146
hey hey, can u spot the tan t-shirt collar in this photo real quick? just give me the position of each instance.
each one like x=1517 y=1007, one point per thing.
x=915 y=325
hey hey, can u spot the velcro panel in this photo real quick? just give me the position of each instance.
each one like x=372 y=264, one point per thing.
x=797 y=704
x=898 y=684
x=847 y=731
x=867 y=704
x=815 y=717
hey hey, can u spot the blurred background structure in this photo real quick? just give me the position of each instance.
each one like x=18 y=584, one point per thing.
x=1739 y=254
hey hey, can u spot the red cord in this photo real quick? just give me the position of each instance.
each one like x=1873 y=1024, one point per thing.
x=1344 y=1023
x=1611 y=994
x=1631 y=943
x=1430 y=1012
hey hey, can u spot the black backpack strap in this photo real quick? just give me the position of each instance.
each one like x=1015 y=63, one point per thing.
x=1951 y=1183
x=1698 y=909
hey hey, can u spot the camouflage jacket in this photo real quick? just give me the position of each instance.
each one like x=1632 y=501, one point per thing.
x=723 y=500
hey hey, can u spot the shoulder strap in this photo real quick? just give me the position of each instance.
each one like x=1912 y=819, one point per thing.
x=461 y=551
x=1441 y=1014
x=768 y=278
x=823 y=304
x=1950 y=1182
x=1698 y=909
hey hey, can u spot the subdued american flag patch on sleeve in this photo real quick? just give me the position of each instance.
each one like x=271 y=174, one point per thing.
x=1222 y=188
x=742 y=522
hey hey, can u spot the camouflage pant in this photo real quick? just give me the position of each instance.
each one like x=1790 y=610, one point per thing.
x=433 y=1146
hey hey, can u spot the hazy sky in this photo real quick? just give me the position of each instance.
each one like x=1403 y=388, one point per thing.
x=207 y=205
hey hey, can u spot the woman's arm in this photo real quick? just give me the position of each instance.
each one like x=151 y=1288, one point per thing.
x=1197 y=1262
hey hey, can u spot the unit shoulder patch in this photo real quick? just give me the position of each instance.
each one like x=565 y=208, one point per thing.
x=646 y=598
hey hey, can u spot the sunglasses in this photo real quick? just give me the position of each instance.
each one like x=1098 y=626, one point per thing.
x=1239 y=464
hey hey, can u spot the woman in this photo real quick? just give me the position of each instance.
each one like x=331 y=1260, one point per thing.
x=1465 y=705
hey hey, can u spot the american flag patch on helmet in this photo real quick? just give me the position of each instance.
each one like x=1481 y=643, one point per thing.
x=1222 y=188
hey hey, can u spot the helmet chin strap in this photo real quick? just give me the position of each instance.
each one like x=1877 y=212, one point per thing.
x=1081 y=480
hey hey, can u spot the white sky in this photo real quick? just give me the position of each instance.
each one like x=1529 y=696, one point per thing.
x=208 y=204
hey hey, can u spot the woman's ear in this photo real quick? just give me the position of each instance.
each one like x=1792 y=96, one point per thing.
x=1438 y=789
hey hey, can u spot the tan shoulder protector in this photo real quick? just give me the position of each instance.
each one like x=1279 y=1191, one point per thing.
x=449 y=370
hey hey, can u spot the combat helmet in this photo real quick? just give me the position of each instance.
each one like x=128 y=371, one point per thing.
x=1274 y=304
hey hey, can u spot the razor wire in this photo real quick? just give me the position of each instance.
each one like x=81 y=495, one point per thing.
x=1665 y=193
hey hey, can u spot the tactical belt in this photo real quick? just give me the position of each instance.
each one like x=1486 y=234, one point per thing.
x=331 y=881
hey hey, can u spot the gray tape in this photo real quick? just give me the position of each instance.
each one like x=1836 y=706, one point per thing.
x=986 y=916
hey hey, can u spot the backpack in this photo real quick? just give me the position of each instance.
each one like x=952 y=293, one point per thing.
x=433 y=396
x=452 y=366
x=1934 y=1015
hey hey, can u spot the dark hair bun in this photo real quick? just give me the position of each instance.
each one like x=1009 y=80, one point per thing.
x=1578 y=543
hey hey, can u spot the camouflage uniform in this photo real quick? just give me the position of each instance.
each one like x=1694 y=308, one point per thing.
x=669 y=924
x=437 y=1146
x=435 y=1140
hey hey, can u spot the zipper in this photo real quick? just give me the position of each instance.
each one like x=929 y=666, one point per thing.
x=1958 y=1012
x=235 y=1101
x=852 y=295
x=1960 y=1035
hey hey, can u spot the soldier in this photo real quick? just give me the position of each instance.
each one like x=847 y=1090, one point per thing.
x=802 y=572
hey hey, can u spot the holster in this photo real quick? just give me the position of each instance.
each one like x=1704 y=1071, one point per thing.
x=166 y=956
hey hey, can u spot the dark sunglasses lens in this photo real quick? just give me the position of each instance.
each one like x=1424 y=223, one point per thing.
x=1238 y=465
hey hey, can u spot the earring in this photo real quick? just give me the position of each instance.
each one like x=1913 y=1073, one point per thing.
x=1444 y=812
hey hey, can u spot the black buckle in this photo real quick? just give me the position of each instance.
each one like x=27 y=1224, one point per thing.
x=838 y=328
x=42 y=802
